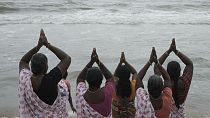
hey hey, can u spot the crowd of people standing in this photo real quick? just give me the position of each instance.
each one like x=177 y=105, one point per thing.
x=45 y=95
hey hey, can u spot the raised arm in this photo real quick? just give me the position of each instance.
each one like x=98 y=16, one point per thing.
x=187 y=73
x=163 y=57
x=65 y=59
x=116 y=70
x=83 y=73
x=164 y=73
x=143 y=71
x=167 y=53
x=131 y=68
x=187 y=61
x=24 y=62
x=107 y=74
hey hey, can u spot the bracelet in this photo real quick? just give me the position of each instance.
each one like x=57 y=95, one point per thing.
x=48 y=44
x=149 y=63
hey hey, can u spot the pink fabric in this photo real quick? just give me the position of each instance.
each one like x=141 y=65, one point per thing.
x=30 y=106
x=144 y=108
x=178 y=113
x=67 y=83
x=165 y=111
x=85 y=110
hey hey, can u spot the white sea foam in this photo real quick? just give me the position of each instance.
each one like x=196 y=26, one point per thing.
x=105 y=12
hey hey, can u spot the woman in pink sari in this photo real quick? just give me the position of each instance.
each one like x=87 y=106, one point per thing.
x=42 y=94
x=157 y=101
x=94 y=101
x=180 y=83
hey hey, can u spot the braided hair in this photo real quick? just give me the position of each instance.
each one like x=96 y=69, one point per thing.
x=173 y=69
x=123 y=87
x=155 y=86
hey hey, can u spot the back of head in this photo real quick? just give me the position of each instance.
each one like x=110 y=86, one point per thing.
x=39 y=64
x=124 y=85
x=94 y=77
x=155 y=86
x=173 y=69
x=123 y=72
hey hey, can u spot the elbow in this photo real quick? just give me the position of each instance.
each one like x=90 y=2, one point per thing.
x=190 y=64
x=68 y=59
x=135 y=72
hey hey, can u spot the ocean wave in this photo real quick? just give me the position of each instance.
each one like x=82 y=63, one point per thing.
x=108 y=16
x=105 y=12
x=180 y=7
x=7 y=7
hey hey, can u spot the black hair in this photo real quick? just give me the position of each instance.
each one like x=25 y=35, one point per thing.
x=155 y=86
x=123 y=87
x=39 y=64
x=174 y=69
x=94 y=77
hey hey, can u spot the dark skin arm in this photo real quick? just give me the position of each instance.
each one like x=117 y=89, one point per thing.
x=107 y=74
x=83 y=73
x=167 y=53
x=65 y=59
x=183 y=57
x=24 y=62
x=143 y=71
x=131 y=68
x=116 y=70
x=94 y=58
x=164 y=73
x=163 y=57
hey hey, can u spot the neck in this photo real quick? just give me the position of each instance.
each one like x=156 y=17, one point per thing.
x=158 y=98
x=34 y=75
x=93 y=90
x=157 y=103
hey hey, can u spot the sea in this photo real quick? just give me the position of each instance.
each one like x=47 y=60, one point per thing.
x=112 y=27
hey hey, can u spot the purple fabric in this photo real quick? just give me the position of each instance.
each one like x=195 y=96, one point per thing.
x=104 y=108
